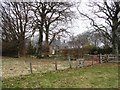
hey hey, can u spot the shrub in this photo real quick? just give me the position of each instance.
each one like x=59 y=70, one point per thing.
x=10 y=49
x=30 y=49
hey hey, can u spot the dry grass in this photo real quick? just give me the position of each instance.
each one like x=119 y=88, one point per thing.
x=21 y=66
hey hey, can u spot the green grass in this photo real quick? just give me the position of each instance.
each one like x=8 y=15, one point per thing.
x=98 y=76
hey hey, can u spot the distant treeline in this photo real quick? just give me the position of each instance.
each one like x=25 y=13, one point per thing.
x=79 y=52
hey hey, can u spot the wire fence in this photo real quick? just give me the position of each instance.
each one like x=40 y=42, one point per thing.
x=22 y=66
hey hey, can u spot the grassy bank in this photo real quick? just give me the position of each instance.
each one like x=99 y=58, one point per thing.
x=98 y=76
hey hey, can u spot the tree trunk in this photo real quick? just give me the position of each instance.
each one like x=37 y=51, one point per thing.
x=41 y=29
x=39 y=52
x=114 y=35
x=47 y=42
x=113 y=41
x=47 y=35
x=21 y=52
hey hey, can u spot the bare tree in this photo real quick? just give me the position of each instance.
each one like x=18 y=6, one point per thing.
x=16 y=23
x=107 y=12
x=48 y=16
x=80 y=40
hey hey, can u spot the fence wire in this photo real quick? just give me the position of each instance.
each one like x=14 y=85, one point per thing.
x=23 y=66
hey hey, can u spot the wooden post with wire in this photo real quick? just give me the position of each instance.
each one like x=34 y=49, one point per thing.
x=55 y=64
x=69 y=61
x=31 y=67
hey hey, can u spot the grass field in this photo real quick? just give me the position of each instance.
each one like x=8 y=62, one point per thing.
x=21 y=66
x=97 y=76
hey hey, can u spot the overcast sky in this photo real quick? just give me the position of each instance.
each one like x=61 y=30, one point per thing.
x=79 y=25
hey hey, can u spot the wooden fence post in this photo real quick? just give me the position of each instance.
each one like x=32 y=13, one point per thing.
x=31 y=67
x=100 y=58
x=70 y=62
x=55 y=64
x=92 y=59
